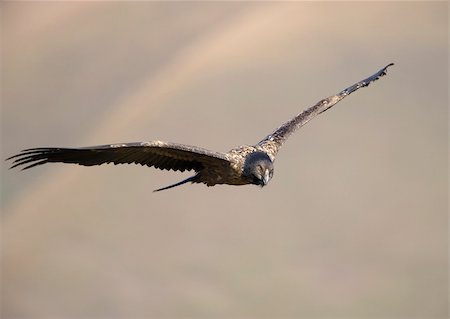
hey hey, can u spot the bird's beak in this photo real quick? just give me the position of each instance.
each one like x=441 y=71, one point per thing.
x=266 y=177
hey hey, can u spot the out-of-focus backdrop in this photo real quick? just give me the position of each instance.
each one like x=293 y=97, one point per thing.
x=353 y=224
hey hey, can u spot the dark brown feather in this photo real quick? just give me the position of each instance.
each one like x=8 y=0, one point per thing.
x=168 y=156
x=272 y=142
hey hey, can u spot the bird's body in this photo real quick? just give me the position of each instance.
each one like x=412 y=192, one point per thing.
x=240 y=166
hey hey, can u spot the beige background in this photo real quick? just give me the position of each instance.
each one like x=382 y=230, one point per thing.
x=353 y=224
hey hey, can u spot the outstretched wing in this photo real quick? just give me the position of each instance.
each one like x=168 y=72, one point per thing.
x=272 y=143
x=169 y=156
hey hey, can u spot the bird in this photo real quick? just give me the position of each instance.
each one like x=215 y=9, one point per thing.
x=243 y=165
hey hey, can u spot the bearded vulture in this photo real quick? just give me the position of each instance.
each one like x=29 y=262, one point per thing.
x=240 y=166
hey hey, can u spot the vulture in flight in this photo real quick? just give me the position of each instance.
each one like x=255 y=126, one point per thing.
x=240 y=166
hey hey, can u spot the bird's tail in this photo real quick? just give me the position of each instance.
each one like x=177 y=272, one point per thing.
x=190 y=179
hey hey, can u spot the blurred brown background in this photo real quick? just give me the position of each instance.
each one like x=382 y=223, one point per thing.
x=354 y=223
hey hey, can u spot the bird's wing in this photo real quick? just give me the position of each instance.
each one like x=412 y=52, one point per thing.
x=169 y=156
x=273 y=142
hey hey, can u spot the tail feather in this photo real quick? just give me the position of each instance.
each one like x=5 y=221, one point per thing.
x=190 y=179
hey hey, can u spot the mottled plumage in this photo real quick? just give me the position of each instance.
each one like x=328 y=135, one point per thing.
x=240 y=166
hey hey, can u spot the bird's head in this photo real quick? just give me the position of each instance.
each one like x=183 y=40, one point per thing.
x=258 y=168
